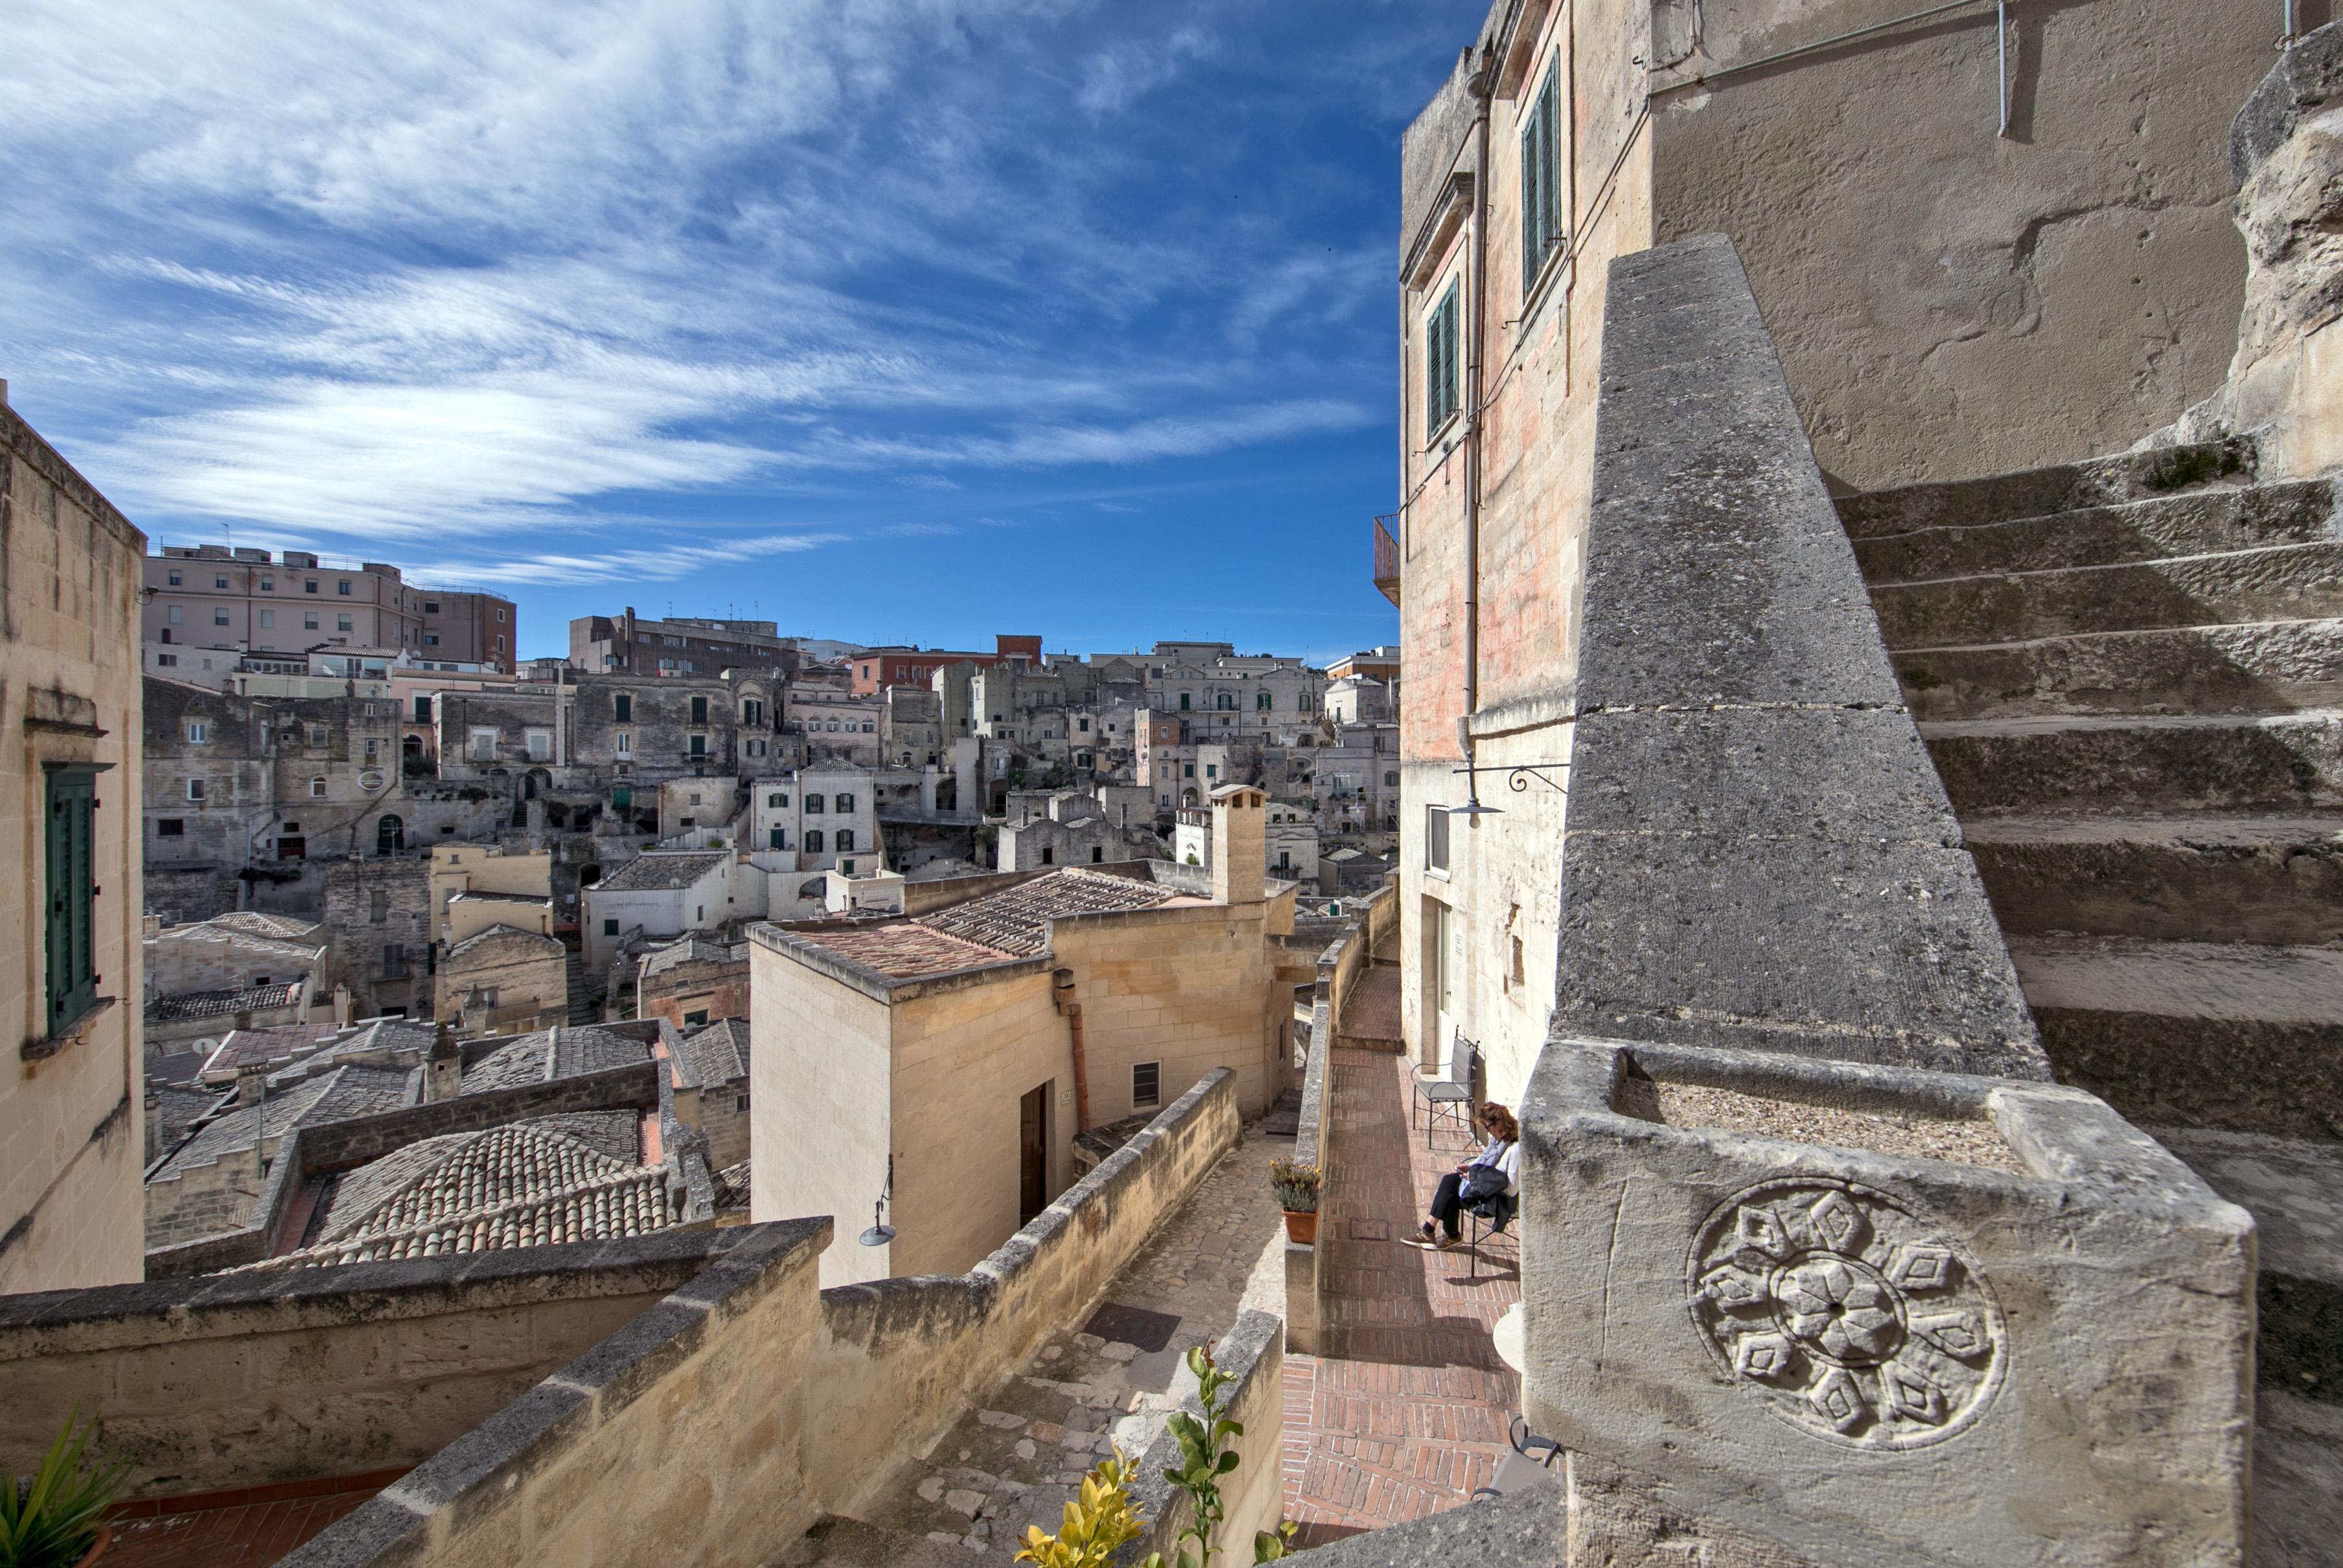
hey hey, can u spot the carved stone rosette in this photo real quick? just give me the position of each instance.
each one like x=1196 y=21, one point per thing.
x=1850 y=1316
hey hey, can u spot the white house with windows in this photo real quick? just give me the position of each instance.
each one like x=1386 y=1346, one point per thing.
x=822 y=816
x=665 y=893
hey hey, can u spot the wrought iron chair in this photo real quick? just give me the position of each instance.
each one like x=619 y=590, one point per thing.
x=1533 y=1459
x=1449 y=1095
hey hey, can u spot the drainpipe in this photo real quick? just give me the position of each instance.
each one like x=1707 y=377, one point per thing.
x=1062 y=992
x=1480 y=88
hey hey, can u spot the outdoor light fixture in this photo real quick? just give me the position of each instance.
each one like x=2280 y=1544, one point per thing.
x=881 y=1233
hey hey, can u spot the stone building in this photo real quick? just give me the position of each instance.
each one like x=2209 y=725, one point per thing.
x=1066 y=827
x=951 y=1057
x=692 y=982
x=911 y=726
x=679 y=646
x=1358 y=699
x=663 y=894
x=1788 y=683
x=713 y=1085
x=70 y=1110
x=239 y=970
x=1288 y=841
x=876 y=669
x=502 y=978
x=232 y=782
x=381 y=913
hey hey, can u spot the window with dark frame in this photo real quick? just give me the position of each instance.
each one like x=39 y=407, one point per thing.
x=1439 y=364
x=1542 y=178
x=1146 y=1083
x=72 y=890
x=1435 y=838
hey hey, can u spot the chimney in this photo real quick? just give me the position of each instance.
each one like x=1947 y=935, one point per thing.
x=251 y=1082
x=443 y=1069
x=1240 y=845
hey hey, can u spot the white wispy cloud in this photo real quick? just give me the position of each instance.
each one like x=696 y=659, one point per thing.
x=445 y=274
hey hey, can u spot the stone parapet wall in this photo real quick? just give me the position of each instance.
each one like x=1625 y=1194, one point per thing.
x=1253 y=1353
x=243 y=1380
x=898 y=1360
x=678 y=1438
x=1839 y=1305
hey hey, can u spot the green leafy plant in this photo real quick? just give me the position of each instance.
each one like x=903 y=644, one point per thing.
x=1205 y=1456
x=48 y=1519
x=1296 y=1185
x=1095 y=1524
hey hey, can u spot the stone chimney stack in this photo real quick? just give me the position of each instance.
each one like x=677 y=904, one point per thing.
x=443 y=1069
x=1239 y=844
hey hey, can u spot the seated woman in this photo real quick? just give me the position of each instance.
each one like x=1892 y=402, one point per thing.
x=1495 y=1171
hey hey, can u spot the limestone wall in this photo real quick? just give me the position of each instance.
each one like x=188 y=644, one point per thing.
x=679 y=1438
x=1193 y=988
x=242 y=1380
x=72 y=1099
x=898 y=1360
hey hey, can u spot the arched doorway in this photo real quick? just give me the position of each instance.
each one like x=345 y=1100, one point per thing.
x=389 y=835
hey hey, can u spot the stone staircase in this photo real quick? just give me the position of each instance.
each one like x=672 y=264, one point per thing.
x=581 y=1002
x=2130 y=672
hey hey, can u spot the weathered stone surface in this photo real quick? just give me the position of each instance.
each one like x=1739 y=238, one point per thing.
x=1867 y=1356
x=1757 y=852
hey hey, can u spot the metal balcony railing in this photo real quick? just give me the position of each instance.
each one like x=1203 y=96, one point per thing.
x=1386 y=559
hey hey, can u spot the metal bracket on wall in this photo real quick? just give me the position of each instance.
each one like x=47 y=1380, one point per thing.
x=1518 y=774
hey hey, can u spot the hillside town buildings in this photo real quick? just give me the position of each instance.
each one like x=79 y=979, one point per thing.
x=1863 y=789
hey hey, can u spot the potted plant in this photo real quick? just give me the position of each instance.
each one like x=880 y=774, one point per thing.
x=1297 y=1193
x=56 y=1517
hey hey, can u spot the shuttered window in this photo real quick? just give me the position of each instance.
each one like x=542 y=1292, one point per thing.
x=71 y=916
x=1542 y=178
x=1438 y=366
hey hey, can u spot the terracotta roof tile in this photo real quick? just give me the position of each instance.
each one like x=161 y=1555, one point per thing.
x=908 y=949
x=1016 y=919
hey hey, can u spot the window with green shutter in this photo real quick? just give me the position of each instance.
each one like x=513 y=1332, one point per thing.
x=1439 y=364
x=71 y=872
x=1542 y=178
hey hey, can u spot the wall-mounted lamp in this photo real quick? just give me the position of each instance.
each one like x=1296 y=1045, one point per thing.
x=881 y=1233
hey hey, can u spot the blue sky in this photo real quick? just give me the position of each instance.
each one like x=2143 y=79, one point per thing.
x=887 y=319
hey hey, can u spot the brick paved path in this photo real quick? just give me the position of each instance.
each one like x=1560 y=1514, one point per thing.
x=239 y=1534
x=1407 y=1413
x=1371 y=1013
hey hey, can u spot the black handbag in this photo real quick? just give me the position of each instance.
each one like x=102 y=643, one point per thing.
x=1482 y=1182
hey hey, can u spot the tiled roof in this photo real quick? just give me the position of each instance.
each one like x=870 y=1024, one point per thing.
x=907 y=949
x=283 y=928
x=195 y=1004
x=478 y=937
x=488 y=896
x=553 y=1053
x=332 y=1096
x=654 y=873
x=276 y=1043
x=1016 y=919
x=732 y=1186
x=176 y=1107
x=516 y=1186
x=692 y=949
x=717 y=1052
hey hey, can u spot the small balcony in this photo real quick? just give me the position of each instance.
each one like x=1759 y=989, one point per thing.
x=1386 y=559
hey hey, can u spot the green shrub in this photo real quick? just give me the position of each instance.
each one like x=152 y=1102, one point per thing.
x=48 y=1519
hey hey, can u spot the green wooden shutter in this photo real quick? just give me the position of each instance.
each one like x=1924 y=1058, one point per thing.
x=1542 y=178
x=71 y=917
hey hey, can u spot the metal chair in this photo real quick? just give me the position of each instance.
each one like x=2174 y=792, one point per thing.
x=1451 y=1096
x=1496 y=1213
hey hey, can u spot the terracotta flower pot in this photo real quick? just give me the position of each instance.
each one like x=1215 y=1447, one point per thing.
x=1301 y=1227
x=97 y=1547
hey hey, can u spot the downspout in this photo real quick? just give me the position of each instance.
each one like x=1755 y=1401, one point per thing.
x=1479 y=87
x=1062 y=992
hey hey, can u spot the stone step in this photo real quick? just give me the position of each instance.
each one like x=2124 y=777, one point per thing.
x=2278 y=582
x=2293 y=1187
x=2260 y=666
x=836 y=1542
x=2240 y=764
x=2038 y=492
x=2199 y=1034
x=2195 y=523
x=2271 y=879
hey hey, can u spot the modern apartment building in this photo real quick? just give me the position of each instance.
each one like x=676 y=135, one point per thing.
x=679 y=646
x=213 y=596
x=878 y=668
